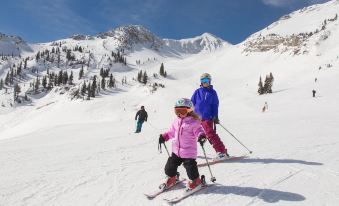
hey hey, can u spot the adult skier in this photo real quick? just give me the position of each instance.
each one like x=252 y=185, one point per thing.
x=141 y=116
x=206 y=103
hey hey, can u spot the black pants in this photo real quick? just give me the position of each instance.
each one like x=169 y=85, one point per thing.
x=174 y=162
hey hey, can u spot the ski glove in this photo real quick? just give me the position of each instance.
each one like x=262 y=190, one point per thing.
x=216 y=120
x=161 y=139
x=202 y=139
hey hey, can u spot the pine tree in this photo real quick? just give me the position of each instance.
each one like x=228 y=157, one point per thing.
x=65 y=77
x=144 y=78
x=59 y=60
x=17 y=90
x=18 y=71
x=81 y=73
x=55 y=80
x=266 y=84
x=83 y=89
x=60 y=77
x=103 y=83
x=44 y=81
x=37 y=85
x=140 y=76
x=261 y=88
x=25 y=63
x=270 y=83
x=102 y=72
x=37 y=57
x=94 y=86
x=111 y=81
x=69 y=55
x=162 y=70
x=1 y=84
x=70 y=79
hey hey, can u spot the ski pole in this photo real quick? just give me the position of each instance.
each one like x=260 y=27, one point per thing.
x=166 y=149
x=235 y=138
x=213 y=179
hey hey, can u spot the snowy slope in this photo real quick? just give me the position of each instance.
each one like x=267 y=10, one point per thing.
x=206 y=42
x=298 y=32
x=141 y=48
x=62 y=152
x=13 y=45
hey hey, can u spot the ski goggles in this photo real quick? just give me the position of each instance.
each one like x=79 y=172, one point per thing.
x=205 y=80
x=182 y=110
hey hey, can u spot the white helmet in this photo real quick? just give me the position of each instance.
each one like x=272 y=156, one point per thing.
x=206 y=75
x=184 y=102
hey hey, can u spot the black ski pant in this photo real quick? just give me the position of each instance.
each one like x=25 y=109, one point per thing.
x=174 y=162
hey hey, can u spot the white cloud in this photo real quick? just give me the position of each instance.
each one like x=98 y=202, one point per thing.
x=278 y=3
x=291 y=3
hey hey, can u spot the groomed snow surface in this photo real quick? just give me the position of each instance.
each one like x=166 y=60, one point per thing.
x=86 y=153
x=59 y=152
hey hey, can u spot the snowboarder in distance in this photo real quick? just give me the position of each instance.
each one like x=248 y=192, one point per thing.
x=265 y=108
x=206 y=103
x=185 y=131
x=315 y=80
x=313 y=92
x=141 y=116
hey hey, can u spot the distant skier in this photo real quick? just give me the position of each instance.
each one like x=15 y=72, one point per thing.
x=265 y=108
x=313 y=92
x=141 y=116
x=185 y=131
x=206 y=103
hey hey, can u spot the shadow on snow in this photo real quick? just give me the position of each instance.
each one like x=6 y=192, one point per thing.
x=267 y=195
x=268 y=161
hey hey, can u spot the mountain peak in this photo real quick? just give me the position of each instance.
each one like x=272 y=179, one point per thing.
x=12 y=45
x=205 y=42
x=130 y=35
x=295 y=32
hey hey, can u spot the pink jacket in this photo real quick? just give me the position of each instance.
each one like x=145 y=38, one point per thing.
x=185 y=133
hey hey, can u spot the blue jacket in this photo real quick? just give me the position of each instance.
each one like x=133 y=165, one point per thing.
x=206 y=102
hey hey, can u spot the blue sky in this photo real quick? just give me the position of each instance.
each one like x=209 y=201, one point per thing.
x=231 y=20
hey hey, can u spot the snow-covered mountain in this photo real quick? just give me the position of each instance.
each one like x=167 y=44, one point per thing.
x=13 y=45
x=128 y=37
x=122 y=51
x=132 y=37
x=297 y=32
x=57 y=150
x=205 y=42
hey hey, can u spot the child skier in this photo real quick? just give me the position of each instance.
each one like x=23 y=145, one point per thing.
x=185 y=130
x=206 y=104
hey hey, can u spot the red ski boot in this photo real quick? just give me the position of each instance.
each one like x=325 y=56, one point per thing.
x=191 y=185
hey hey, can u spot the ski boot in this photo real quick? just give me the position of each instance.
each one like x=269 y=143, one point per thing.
x=196 y=184
x=170 y=181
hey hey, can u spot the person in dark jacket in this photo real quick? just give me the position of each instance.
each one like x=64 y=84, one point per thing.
x=141 y=116
x=313 y=92
x=206 y=103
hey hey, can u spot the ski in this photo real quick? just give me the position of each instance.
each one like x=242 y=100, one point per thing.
x=223 y=160
x=186 y=194
x=162 y=188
